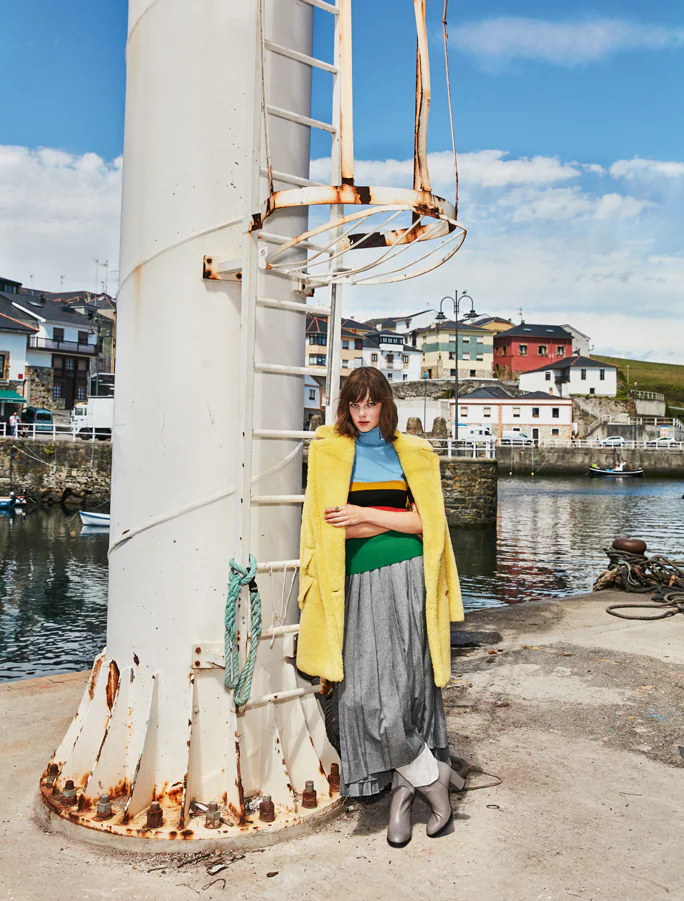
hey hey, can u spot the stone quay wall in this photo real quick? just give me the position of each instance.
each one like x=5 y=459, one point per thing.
x=657 y=463
x=62 y=472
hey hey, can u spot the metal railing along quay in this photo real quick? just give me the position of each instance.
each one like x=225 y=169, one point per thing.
x=53 y=432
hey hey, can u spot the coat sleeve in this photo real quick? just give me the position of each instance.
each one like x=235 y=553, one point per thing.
x=307 y=565
x=449 y=568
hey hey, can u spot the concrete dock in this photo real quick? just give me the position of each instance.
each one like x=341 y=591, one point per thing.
x=580 y=715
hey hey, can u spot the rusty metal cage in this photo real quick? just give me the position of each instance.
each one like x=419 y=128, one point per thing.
x=394 y=234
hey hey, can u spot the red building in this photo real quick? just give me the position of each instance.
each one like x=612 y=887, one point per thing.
x=526 y=347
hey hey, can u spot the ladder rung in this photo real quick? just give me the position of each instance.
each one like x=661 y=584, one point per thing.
x=277 y=564
x=273 y=238
x=293 y=306
x=263 y=499
x=300 y=57
x=289 y=695
x=289 y=179
x=290 y=370
x=283 y=433
x=321 y=4
x=300 y=120
x=278 y=631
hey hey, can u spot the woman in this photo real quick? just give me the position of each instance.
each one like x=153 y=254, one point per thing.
x=378 y=588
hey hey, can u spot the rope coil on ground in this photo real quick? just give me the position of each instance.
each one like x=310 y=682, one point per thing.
x=658 y=576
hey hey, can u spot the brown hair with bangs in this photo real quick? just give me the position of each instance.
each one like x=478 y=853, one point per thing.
x=363 y=382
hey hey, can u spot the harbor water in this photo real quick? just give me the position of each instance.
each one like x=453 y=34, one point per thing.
x=548 y=542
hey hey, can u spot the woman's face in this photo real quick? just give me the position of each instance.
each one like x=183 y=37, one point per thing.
x=365 y=414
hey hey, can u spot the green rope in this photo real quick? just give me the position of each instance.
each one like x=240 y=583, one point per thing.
x=240 y=683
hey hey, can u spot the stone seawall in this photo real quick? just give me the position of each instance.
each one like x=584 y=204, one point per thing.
x=69 y=472
x=660 y=463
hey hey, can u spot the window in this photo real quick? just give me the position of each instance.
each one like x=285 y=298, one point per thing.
x=480 y=356
x=83 y=337
x=504 y=351
x=316 y=359
x=463 y=412
x=374 y=358
x=69 y=364
x=584 y=375
x=522 y=350
x=452 y=371
x=465 y=355
x=390 y=359
x=555 y=432
x=555 y=412
x=547 y=376
x=480 y=340
x=358 y=343
x=58 y=334
x=560 y=350
x=2 y=366
x=543 y=350
x=312 y=394
x=602 y=375
x=390 y=376
x=345 y=364
x=535 y=412
x=57 y=390
x=81 y=393
x=405 y=358
x=345 y=345
x=592 y=391
x=473 y=373
x=487 y=412
x=321 y=340
x=466 y=340
x=451 y=355
x=516 y=412
x=405 y=377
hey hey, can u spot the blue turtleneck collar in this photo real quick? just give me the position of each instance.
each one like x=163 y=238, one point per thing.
x=371 y=439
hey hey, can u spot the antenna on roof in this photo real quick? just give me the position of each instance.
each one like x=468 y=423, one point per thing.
x=522 y=321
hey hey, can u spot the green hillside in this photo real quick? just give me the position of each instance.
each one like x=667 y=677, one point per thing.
x=666 y=378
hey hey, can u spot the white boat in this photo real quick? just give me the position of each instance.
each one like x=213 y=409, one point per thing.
x=100 y=520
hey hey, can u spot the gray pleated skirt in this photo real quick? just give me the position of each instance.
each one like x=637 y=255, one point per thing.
x=389 y=705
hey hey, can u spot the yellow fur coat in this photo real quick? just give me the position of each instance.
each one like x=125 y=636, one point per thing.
x=322 y=553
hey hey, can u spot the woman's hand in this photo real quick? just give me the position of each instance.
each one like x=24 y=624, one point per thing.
x=348 y=515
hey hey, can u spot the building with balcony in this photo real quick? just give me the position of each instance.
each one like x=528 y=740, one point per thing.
x=59 y=352
x=526 y=347
x=572 y=377
x=352 y=343
x=386 y=351
x=437 y=343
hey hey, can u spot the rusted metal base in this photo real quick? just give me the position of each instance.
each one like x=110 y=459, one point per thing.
x=134 y=836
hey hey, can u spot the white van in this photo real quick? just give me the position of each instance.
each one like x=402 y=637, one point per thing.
x=473 y=434
x=515 y=436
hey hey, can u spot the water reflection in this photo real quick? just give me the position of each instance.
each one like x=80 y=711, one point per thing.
x=551 y=533
x=53 y=595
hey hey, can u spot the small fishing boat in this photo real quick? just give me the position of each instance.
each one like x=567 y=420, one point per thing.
x=621 y=471
x=11 y=502
x=99 y=520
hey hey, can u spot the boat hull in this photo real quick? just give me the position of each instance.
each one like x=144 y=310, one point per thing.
x=620 y=474
x=99 y=520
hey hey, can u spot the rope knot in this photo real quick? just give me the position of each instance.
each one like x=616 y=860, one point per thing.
x=240 y=683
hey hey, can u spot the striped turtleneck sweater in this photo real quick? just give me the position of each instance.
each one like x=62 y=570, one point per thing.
x=378 y=481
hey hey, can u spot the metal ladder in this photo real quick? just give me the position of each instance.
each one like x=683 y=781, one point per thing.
x=250 y=299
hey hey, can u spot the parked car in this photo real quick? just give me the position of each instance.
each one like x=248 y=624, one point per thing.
x=663 y=442
x=613 y=441
x=515 y=437
x=35 y=416
x=475 y=434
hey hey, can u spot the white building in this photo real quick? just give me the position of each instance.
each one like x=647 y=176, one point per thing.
x=574 y=376
x=387 y=352
x=313 y=399
x=538 y=415
x=580 y=341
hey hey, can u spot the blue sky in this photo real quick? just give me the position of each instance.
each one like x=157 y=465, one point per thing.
x=568 y=122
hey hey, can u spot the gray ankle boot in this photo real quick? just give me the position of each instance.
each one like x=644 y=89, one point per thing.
x=399 y=826
x=437 y=796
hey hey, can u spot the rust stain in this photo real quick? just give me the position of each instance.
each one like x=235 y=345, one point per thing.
x=173 y=833
x=93 y=677
x=112 y=683
x=187 y=833
x=136 y=659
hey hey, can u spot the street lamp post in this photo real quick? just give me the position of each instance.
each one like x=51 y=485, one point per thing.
x=456 y=301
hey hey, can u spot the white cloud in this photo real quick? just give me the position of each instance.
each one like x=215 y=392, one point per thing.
x=60 y=212
x=567 y=43
x=639 y=167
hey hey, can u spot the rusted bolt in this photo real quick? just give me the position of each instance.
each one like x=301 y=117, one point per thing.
x=266 y=810
x=334 y=777
x=52 y=774
x=155 y=815
x=309 y=795
x=104 y=808
x=69 y=793
x=212 y=819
